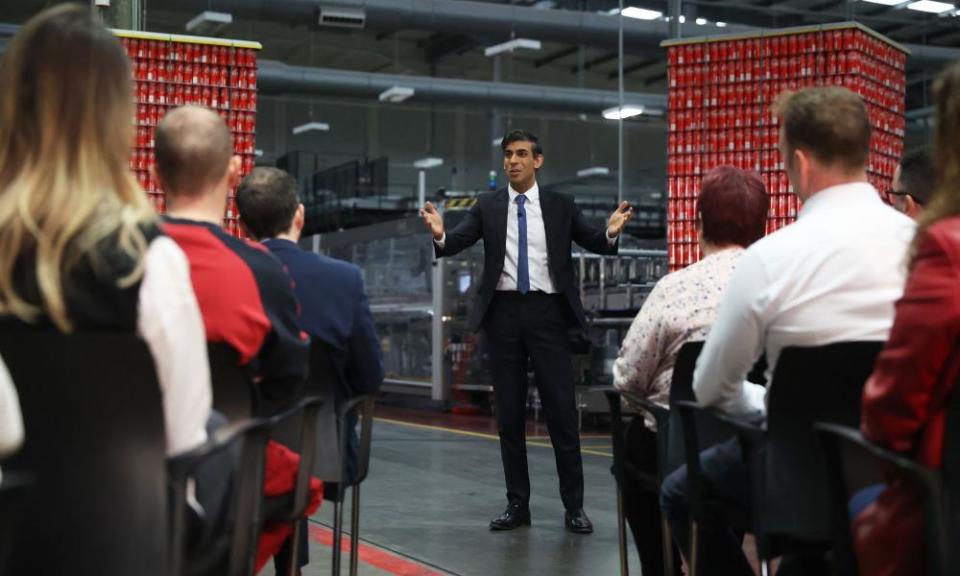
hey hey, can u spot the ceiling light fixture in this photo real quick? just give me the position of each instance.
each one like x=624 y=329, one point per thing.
x=425 y=163
x=593 y=171
x=886 y=2
x=511 y=45
x=641 y=13
x=701 y=21
x=209 y=23
x=930 y=6
x=618 y=113
x=312 y=126
x=721 y=24
x=397 y=94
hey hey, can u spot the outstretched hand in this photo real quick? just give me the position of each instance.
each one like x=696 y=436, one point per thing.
x=619 y=219
x=432 y=219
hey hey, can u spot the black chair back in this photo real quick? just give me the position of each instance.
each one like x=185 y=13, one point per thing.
x=234 y=393
x=854 y=463
x=671 y=441
x=95 y=445
x=810 y=384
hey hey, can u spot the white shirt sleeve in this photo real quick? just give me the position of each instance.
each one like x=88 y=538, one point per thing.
x=441 y=242
x=611 y=240
x=170 y=322
x=735 y=343
x=11 y=422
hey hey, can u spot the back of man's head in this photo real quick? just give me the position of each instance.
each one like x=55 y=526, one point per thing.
x=193 y=148
x=829 y=123
x=916 y=175
x=732 y=207
x=267 y=200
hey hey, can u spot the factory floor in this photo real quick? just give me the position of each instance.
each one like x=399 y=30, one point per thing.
x=435 y=483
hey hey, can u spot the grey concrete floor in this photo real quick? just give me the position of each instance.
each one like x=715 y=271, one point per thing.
x=431 y=493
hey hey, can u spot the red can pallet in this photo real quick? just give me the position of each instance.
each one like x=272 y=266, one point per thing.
x=721 y=90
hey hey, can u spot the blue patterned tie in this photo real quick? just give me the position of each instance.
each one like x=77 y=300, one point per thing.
x=523 y=271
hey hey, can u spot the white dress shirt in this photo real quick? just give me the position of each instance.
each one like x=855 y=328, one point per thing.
x=831 y=276
x=169 y=321
x=537 y=261
x=11 y=422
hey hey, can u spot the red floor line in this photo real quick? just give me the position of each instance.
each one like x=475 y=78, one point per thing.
x=376 y=557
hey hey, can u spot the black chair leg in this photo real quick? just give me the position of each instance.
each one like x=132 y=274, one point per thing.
x=694 y=551
x=355 y=530
x=293 y=562
x=337 y=537
x=622 y=534
x=668 y=568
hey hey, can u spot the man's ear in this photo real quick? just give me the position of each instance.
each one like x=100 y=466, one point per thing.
x=233 y=171
x=299 y=218
x=537 y=161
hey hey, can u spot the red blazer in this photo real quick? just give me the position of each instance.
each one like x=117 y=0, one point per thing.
x=904 y=402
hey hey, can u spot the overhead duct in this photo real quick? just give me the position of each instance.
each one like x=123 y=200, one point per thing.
x=491 y=20
x=276 y=78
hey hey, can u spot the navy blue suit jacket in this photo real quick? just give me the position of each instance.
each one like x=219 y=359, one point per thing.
x=334 y=308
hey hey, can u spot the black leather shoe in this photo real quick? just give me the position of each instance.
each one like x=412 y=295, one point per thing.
x=514 y=516
x=577 y=522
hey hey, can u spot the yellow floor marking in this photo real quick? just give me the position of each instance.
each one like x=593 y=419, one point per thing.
x=482 y=435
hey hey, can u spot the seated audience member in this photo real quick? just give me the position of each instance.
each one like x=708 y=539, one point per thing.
x=731 y=215
x=11 y=422
x=82 y=249
x=913 y=183
x=245 y=296
x=333 y=303
x=905 y=401
x=832 y=276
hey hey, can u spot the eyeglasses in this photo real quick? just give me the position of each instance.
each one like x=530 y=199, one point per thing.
x=895 y=192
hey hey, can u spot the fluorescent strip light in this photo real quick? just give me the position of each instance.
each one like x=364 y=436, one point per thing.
x=593 y=171
x=930 y=6
x=721 y=24
x=310 y=126
x=425 y=163
x=511 y=45
x=397 y=94
x=641 y=13
x=497 y=142
x=885 y=2
x=617 y=113
x=701 y=21
x=209 y=22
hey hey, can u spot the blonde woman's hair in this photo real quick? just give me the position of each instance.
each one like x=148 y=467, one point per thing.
x=66 y=134
x=946 y=154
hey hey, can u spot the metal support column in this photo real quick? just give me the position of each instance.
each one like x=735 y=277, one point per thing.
x=438 y=389
x=674 y=7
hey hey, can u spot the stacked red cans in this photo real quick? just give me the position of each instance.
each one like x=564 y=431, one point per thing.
x=722 y=89
x=173 y=71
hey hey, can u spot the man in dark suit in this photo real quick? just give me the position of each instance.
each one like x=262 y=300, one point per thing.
x=333 y=304
x=526 y=304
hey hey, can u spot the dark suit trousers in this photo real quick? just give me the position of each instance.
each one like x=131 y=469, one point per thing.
x=534 y=328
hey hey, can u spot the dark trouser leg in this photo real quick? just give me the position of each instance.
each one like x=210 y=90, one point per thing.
x=280 y=565
x=504 y=331
x=547 y=319
x=727 y=480
x=642 y=507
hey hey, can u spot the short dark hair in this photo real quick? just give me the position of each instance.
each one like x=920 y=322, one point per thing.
x=916 y=175
x=828 y=122
x=192 y=147
x=522 y=136
x=267 y=200
x=732 y=206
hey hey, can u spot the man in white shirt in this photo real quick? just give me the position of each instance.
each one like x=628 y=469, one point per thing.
x=832 y=276
x=526 y=304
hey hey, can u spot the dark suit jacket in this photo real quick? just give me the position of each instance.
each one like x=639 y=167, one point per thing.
x=334 y=308
x=563 y=223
